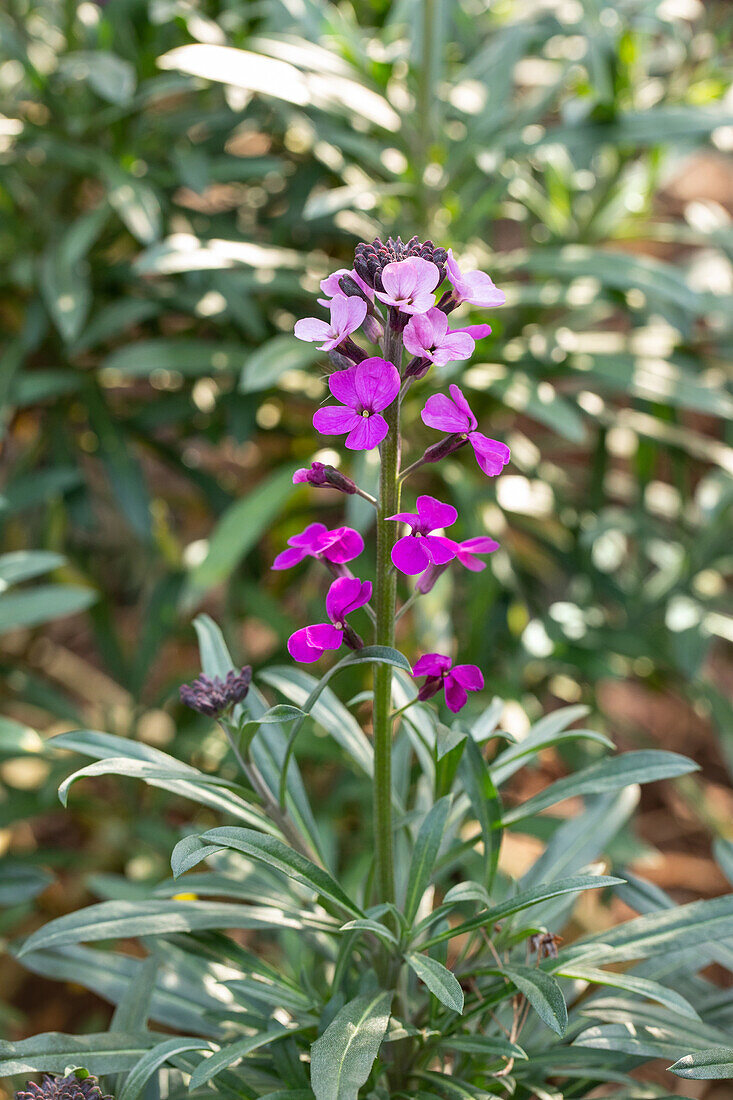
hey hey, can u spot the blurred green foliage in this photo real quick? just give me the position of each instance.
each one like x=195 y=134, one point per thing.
x=177 y=176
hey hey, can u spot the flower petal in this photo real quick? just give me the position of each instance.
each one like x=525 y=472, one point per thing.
x=309 y=537
x=303 y=647
x=341 y=545
x=406 y=517
x=441 y=550
x=342 y=384
x=455 y=695
x=431 y=664
x=453 y=348
x=469 y=676
x=346 y=594
x=311 y=329
x=410 y=556
x=462 y=405
x=334 y=420
x=347 y=314
x=442 y=413
x=288 y=558
x=433 y=514
x=491 y=455
x=377 y=383
x=367 y=432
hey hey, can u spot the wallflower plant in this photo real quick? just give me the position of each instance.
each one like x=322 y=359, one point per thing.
x=420 y=962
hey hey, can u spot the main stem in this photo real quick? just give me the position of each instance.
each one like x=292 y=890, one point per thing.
x=386 y=593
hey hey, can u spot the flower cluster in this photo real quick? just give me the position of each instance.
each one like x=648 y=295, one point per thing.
x=213 y=696
x=392 y=295
x=70 y=1087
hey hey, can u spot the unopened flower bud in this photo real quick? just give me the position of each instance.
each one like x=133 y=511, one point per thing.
x=351 y=288
x=445 y=447
x=431 y=687
x=373 y=328
x=351 y=638
x=426 y=581
x=447 y=303
x=339 y=361
x=355 y=354
x=418 y=367
x=325 y=477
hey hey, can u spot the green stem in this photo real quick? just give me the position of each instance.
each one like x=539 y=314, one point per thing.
x=386 y=596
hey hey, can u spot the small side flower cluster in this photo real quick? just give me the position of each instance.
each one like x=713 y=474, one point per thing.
x=213 y=696
x=70 y=1087
x=405 y=279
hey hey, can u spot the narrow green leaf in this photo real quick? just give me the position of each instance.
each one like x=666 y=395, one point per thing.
x=705 y=1065
x=153 y=1059
x=41 y=604
x=439 y=980
x=264 y=366
x=424 y=855
x=342 y=1059
x=521 y=901
x=276 y=854
x=54 y=1052
x=228 y=1055
x=633 y=984
x=110 y=920
x=646 y=766
x=543 y=993
x=485 y=1046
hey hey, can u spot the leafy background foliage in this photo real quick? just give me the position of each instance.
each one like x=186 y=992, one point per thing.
x=168 y=208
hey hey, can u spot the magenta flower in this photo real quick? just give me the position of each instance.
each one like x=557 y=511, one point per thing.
x=346 y=316
x=416 y=551
x=332 y=286
x=364 y=389
x=340 y=545
x=453 y=414
x=345 y=595
x=475 y=287
x=427 y=336
x=456 y=681
x=408 y=285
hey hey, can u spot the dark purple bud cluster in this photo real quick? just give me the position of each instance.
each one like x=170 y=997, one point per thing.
x=213 y=696
x=370 y=259
x=70 y=1087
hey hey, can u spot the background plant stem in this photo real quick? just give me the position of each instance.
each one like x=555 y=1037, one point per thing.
x=386 y=591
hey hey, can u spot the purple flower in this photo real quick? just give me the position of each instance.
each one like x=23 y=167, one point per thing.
x=416 y=551
x=345 y=595
x=213 y=696
x=365 y=389
x=346 y=316
x=475 y=287
x=408 y=285
x=456 y=681
x=332 y=286
x=427 y=336
x=453 y=414
x=324 y=477
x=340 y=545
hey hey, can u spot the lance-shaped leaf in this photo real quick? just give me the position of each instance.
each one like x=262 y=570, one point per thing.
x=274 y=853
x=646 y=766
x=121 y=919
x=424 y=855
x=53 y=1052
x=632 y=984
x=153 y=1059
x=440 y=981
x=232 y=1052
x=524 y=900
x=543 y=993
x=342 y=1059
x=707 y=1065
